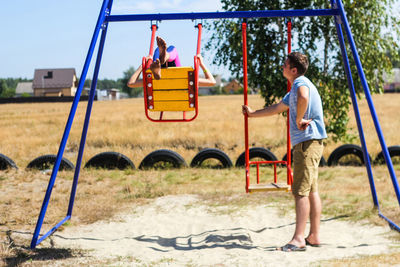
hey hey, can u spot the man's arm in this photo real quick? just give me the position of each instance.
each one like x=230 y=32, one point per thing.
x=267 y=111
x=302 y=104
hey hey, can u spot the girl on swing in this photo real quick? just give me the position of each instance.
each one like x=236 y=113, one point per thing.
x=168 y=57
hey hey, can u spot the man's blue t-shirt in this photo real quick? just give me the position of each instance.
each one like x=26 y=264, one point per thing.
x=316 y=129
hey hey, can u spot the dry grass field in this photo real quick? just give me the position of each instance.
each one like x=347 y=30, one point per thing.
x=32 y=130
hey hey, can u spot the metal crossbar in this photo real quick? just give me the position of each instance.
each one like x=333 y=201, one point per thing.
x=225 y=15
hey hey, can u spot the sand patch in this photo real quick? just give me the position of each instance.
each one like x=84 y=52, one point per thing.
x=181 y=230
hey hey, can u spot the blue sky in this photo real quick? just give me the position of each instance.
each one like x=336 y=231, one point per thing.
x=57 y=34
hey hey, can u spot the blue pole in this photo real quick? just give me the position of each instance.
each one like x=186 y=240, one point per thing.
x=52 y=230
x=355 y=107
x=391 y=223
x=68 y=126
x=369 y=100
x=88 y=112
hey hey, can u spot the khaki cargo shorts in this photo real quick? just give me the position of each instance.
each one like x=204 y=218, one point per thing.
x=306 y=158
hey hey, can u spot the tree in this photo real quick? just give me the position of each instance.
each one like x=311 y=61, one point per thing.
x=5 y=90
x=266 y=41
x=103 y=84
x=107 y=84
x=395 y=62
x=9 y=85
x=3 y=87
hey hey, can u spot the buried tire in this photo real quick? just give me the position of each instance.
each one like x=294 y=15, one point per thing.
x=347 y=155
x=6 y=163
x=394 y=151
x=211 y=153
x=256 y=152
x=322 y=162
x=47 y=161
x=162 y=159
x=110 y=161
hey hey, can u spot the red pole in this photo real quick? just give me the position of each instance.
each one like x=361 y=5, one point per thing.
x=258 y=173
x=200 y=27
x=196 y=71
x=288 y=153
x=153 y=36
x=246 y=123
x=146 y=65
x=196 y=68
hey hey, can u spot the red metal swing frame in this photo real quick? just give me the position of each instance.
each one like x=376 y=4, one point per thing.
x=193 y=88
x=246 y=125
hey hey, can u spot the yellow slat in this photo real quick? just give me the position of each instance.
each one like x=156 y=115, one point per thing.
x=268 y=187
x=170 y=95
x=174 y=72
x=166 y=84
x=171 y=106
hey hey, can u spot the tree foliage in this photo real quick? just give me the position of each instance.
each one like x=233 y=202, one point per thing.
x=8 y=86
x=124 y=80
x=118 y=84
x=395 y=61
x=374 y=28
x=103 y=84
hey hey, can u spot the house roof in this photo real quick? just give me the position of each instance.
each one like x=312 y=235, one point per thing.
x=233 y=83
x=24 y=87
x=54 y=78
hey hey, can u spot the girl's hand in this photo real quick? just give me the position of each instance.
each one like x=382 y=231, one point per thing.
x=200 y=57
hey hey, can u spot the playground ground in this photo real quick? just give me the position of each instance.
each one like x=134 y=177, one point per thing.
x=191 y=218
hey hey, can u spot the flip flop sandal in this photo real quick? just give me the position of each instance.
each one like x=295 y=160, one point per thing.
x=292 y=248
x=312 y=245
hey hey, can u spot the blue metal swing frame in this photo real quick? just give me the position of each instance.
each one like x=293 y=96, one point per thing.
x=337 y=11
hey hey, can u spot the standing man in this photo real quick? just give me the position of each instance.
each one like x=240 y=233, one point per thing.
x=307 y=129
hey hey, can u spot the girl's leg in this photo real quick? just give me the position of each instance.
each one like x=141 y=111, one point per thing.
x=161 y=51
x=165 y=54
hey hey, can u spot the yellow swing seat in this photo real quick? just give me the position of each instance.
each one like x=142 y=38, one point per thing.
x=175 y=91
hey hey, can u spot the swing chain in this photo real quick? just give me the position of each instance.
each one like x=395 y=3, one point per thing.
x=287 y=20
x=151 y=24
x=196 y=25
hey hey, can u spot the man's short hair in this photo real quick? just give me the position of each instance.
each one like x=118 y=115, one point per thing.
x=299 y=61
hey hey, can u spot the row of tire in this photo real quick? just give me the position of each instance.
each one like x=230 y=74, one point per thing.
x=347 y=154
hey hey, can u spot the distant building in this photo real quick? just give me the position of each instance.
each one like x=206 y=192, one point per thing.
x=232 y=87
x=24 y=88
x=214 y=89
x=110 y=94
x=55 y=82
x=392 y=81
